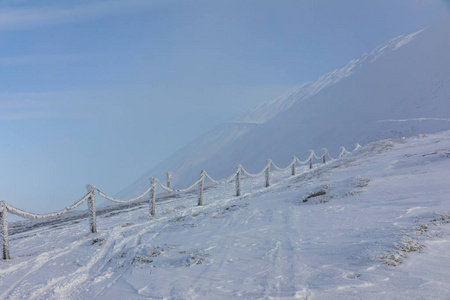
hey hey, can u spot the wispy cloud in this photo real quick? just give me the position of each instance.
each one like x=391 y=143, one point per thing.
x=46 y=59
x=25 y=17
x=69 y=104
x=17 y=106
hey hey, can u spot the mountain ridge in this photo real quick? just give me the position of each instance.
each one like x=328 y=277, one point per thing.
x=309 y=89
x=407 y=78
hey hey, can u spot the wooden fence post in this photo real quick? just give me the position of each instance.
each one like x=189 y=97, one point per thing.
x=324 y=159
x=269 y=162
x=311 y=159
x=169 y=180
x=91 y=204
x=293 y=166
x=4 y=222
x=238 y=180
x=200 y=187
x=153 y=197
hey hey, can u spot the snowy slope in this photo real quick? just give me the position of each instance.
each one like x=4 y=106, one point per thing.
x=373 y=225
x=401 y=88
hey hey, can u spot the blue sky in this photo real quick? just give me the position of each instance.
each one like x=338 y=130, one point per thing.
x=100 y=91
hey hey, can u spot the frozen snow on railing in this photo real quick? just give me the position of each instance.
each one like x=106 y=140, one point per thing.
x=92 y=189
x=247 y=174
x=124 y=201
x=277 y=168
x=27 y=215
x=226 y=180
x=311 y=155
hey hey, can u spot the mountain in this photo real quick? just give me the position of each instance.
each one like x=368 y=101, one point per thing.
x=401 y=88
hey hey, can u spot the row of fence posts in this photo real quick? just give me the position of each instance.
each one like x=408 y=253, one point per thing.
x=169 y=178
x=91 y=189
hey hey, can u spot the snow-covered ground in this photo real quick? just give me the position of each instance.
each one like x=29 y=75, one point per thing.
x=372 y=225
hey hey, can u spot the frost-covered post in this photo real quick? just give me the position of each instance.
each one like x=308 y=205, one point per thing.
x=153 y=196
x=200 y=187
x=269 y=162
x=169 y=180
x=293 y=165
x=91 y=204
x=311 y=159
x=238 y=180
x=324 y=160
x=342 y=152
x=4 y=222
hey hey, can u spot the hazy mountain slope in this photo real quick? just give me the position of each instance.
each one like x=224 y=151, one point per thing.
x=401 y=88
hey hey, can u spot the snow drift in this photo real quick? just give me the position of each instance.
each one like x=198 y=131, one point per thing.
x=401 y=88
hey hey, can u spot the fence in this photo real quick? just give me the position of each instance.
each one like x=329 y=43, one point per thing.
x=154 y=183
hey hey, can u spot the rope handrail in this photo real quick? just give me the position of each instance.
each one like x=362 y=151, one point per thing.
x=28 y=215
x=179 y=190
x=311 y=154
x=247 y=174
x=343 y=152
x=90 y=196
x=226 y=180
x=123 y=201
x=331 y=157
x=170 y=190
x=277 y=168
x=317 y=157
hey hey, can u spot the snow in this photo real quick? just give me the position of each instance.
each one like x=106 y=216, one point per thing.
x=405 y=81
x=372 y=225
x=268 y=110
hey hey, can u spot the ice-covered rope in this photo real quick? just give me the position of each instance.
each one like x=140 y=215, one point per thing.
x=343 y=152
x=168 y=189
x=179 y=190
x=318 y=157
x=277 y=168
x=28 y=215
x=227 y=180
x=311 y=154
x=247 y=174
x=331 y=157
x=123 y=201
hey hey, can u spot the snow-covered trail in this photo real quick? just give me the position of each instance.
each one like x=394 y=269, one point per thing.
x=369 y=226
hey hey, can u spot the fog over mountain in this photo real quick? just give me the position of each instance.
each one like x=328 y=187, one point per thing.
x=401 y=88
